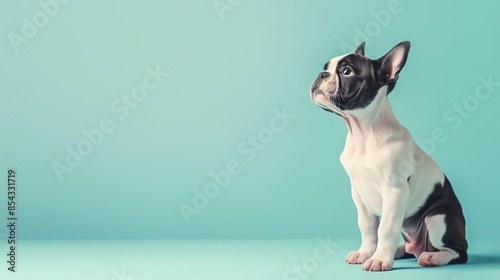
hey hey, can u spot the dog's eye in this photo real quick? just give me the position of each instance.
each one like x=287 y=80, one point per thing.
x=346 y=71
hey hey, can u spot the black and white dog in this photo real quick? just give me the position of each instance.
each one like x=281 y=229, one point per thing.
x=396 y=187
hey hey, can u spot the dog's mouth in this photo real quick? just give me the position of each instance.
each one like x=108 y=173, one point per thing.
x=315 y=91
x=326 y=100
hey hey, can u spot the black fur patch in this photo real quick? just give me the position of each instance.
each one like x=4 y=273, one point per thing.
x=444 y=201
x=359 y=89
x=326 y=66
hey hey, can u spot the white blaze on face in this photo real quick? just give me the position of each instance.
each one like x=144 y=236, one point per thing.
x=325 y=87
x=333 y=63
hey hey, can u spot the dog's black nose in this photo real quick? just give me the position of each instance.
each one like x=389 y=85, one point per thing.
x=324 y=75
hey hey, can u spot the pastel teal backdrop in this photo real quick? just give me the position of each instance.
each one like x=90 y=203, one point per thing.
x=192 y=119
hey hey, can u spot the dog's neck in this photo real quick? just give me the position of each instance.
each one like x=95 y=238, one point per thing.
x=375 y=121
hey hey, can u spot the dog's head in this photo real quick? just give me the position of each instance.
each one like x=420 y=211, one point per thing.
x=353 y=81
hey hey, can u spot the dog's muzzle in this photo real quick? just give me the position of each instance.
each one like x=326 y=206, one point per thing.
x=315 y=87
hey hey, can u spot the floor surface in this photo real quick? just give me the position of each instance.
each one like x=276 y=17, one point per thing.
x=322 y=258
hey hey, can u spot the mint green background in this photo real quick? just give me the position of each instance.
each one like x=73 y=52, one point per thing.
x=226 y=77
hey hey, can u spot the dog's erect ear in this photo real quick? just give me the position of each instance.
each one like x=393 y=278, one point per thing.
x=361 y=49
x=393 y=62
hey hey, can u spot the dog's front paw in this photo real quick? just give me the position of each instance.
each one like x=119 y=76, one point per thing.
x=378 y=264
x=358 y=257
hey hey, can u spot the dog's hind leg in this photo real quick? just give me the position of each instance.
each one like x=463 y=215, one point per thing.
x=447 y=235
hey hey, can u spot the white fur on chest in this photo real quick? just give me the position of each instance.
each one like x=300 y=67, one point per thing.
x=366 y=171
x=385 y=155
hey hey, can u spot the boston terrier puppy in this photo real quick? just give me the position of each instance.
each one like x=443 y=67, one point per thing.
x=396 y=187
